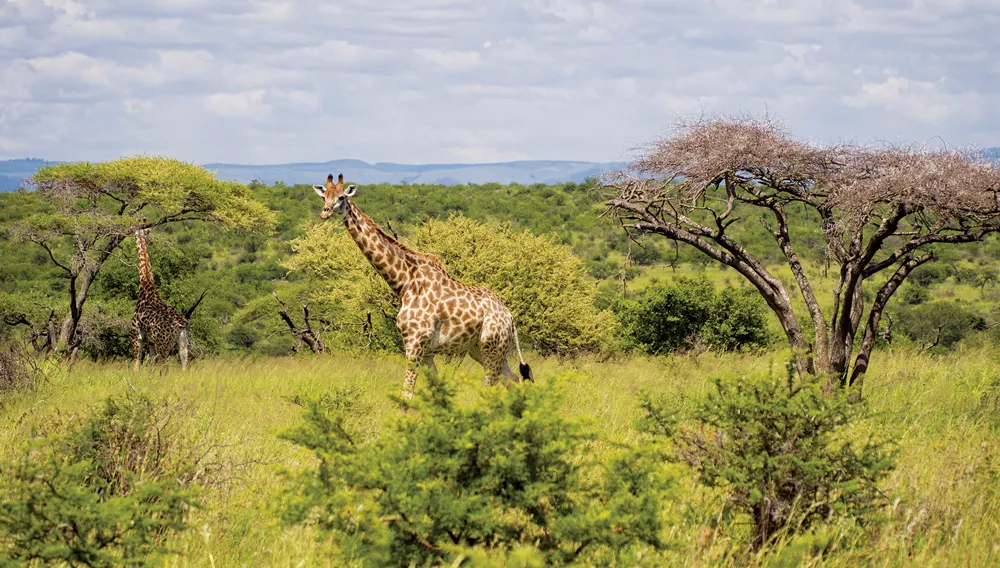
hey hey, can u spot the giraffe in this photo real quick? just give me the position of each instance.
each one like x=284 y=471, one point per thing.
x=155 y=323
x=437 y=314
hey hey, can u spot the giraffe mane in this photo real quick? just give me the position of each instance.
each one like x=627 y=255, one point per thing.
x=430 y=258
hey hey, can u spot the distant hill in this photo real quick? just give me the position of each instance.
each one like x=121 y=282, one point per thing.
x=13 y=172
x=525 y=172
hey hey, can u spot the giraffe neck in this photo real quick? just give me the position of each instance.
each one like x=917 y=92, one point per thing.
x=391 y=260
x=147 y=287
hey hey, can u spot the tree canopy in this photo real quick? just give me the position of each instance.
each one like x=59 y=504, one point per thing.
x=93 y=207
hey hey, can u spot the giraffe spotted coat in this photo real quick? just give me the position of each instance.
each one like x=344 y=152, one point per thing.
x=437 y=314
x=155 y=326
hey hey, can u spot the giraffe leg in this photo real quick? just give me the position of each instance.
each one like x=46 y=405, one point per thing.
x=417 y=355
x=162 y=341
x=137 y=339
x=183 y=344
x=493 y=345
x=414 y=357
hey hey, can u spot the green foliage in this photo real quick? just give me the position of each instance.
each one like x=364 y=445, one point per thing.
x=52 y=510
x=542 y=282
x=738 y=321
x=915 y=294
x=668 y=316
x=508 y=475
x=928 y=274
x=127 y=443
x=169 y=187
x=787 y=455
x=343 y=287
x=102 y=494
x=945 y=323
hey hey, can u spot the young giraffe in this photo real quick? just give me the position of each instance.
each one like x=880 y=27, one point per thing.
x=155 y=323
x=437 y=314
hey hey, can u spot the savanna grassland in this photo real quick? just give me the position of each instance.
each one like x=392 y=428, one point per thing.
x=636 y=445
x=942 y=499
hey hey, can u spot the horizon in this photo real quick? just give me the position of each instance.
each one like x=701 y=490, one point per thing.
x=465 y=82
x=292 y=163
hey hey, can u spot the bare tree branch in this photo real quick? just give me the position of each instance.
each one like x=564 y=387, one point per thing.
x=692 y=186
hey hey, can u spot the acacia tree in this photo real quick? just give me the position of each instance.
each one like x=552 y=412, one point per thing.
x=880 y=209
x=94 y=207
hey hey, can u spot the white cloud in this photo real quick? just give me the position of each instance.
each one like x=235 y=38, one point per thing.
x=245 y=104
x=919 y=100
x=449 y=59
x=303 y=101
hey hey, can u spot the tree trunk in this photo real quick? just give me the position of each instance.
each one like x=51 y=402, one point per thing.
x=68 y=331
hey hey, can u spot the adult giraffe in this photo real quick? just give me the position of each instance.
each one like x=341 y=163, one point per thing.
x=437 y=314
x=156 y=324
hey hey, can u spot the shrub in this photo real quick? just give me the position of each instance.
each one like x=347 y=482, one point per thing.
x=103 y=494
x=783 y=451
x=19 y=371
x=738 y=321
x=946 y=323
x=668 y=316
x=929 y=274
x=105 y=330
x=131 y=440
x=53 y=509
x=915 y=294
x=507 y=475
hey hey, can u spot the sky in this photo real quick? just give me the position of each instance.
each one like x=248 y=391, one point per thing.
x=443 y=81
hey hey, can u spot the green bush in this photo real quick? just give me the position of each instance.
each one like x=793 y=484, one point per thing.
x=668 y=316
x=928 y=274
x=508 y=475
x=738 y=321
x=786 y=454
x=56 y=510
x=131 y=440
x=947 y=323
x=104 y=493
x=915 y=294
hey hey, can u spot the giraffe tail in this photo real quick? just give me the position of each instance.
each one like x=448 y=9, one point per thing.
x=524 y=368
x=187 y=314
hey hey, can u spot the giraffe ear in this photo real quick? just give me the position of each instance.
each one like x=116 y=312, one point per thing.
x=351 y=190
x=320 y=190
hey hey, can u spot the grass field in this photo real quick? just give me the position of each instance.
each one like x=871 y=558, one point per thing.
x=943 y=500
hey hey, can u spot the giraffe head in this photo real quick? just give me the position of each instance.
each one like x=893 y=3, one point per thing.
x=334 y=195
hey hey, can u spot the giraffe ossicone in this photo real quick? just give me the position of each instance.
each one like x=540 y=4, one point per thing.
x=438 y=315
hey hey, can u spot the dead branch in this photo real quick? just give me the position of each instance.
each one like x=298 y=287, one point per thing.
x=302 y=334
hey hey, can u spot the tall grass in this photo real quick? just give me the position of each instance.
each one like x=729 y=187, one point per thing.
x=944 y=496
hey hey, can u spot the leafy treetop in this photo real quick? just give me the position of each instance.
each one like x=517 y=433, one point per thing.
x=164 y=189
